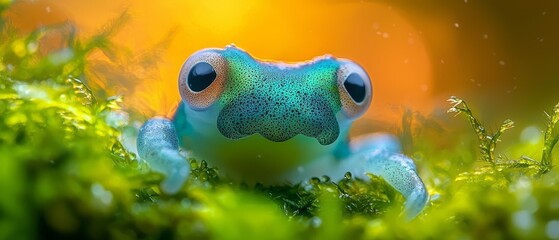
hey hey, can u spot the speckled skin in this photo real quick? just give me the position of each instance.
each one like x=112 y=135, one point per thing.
x=272 y=122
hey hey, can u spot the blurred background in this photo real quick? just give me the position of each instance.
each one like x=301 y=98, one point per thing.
x=502 y=57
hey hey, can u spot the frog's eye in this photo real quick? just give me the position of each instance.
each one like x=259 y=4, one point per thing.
x=354 y=88
x=202 y=78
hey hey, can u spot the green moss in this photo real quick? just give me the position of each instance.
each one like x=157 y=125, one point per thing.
x=64 y=172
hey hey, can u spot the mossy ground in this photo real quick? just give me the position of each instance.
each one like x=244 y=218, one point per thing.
x=64 y=172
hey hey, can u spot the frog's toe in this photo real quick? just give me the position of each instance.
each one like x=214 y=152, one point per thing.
x=175 y=180
x=158 y=146
x=415 y=202
x=400 y=172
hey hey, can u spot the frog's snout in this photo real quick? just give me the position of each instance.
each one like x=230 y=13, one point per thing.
x=279 y=120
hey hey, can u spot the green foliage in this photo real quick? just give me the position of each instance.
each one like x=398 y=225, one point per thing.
x=64 y=172
x=551 y=138
x=4 y=4
x=488 y=142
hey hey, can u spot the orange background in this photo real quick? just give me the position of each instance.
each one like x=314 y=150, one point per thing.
x=504 y=59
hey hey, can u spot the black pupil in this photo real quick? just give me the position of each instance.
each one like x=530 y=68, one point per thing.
x=355 y=86
x=201 y=76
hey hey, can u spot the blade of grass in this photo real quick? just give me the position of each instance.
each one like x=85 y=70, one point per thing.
x=487 y=141
x=550 y=141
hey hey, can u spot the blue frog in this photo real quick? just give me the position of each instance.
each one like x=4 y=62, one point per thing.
x=269 y=122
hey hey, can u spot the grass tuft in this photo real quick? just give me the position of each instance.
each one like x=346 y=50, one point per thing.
x=488 y=142
x=551 y=137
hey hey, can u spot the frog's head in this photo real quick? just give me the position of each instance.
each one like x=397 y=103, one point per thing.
x=244 y=96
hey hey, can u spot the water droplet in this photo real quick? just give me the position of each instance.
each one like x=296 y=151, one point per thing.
x=552 y=229
x=316 y=222
x=531 y=135
x=523 y=220
x=32 y=47
x=347 y=175
x=100 y=193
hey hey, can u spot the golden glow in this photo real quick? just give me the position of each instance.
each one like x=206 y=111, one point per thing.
x=222 y=17
x=374 y=35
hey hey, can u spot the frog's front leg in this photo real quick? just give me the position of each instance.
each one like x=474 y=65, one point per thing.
x=379 y=154
x=158 y=145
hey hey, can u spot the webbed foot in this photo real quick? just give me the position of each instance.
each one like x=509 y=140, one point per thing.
x=158 y=146
x=379 y=154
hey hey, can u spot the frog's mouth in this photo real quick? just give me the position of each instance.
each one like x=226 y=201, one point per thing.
x=279 y=121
